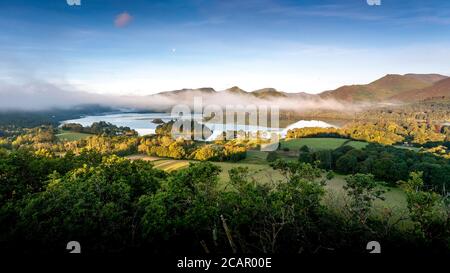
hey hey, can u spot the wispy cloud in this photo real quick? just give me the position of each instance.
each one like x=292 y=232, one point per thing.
x=337 y=11
x=435 y=19
x=123 y=19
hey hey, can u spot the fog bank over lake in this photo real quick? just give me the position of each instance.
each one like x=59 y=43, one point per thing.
x=143 y=123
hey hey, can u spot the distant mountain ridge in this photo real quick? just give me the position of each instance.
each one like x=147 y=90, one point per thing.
x=430 y=78
x=235 y=96
x=392 y=87
x=264 y=93
x=439 y=90
x=384 y=88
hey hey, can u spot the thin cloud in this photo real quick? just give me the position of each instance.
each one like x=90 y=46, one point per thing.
x=337 y=11
x=408 y=15
x=123 y=19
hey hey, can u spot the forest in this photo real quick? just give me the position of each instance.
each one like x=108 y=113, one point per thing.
x=114 y=205
x=385 y=163
x=99 y=128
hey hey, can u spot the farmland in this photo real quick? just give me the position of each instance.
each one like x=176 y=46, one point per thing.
x=261 y=172
x=320 y=143
x=64 y=135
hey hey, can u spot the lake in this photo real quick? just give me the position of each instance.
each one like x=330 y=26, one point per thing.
x=142 y=123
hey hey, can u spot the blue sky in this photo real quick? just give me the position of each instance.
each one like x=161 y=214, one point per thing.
x=309 y=45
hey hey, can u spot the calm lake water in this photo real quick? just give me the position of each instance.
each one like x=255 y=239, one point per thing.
x=142 y=123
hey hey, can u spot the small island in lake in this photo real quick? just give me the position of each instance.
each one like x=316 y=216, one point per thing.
x=157 y=121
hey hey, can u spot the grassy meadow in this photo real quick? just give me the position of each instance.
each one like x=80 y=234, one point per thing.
x=64 y=135
x=261 y=172
x=320 y=143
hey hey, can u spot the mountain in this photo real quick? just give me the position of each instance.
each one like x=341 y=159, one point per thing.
x=236 y=91
x=302 y=95
x=382 y=89
x=267 y=93
x=429 y=78
x=237 y=96
x=439 y=90
x=205 y=90
x=393 y=84
x=392 y=87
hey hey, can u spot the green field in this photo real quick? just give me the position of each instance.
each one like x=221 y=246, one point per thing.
x=326 y=143
x=313 y=143
x=395 y=198
x=263 y=173
x=357 y=144
x=169 y=165
x=64 y=135
x=415 y=149
x=143 y=157
x=255 y=157
x=165 y=164
x=259 y=172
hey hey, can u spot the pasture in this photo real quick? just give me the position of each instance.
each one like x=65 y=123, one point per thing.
x=255 y=157
x=357 y=144
x=64 y=135
x=170 y=165
x=395 y=199
x=312 y=143
x=165 y=164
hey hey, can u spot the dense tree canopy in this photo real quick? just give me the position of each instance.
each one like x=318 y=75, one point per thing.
x=100 y=128
x=379 y=131
x=111 y=204
x=386 y=163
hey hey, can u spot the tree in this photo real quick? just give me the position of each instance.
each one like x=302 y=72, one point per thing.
x=184 y=209
x=94 y=204
x=305 y=155
x=23 y=172
x=206 y=152
x=347 y=164
x=363 y=190
x=295 y=170
x=272 y=156
x=325 y=158
x=424 y=207
x=264 y=218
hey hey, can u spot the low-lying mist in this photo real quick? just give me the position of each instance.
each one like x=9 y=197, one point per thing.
x=298 y=102
x=43 y=95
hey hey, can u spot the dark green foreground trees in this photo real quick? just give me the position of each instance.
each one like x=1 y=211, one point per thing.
x=110 y=205
x=386 y=163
